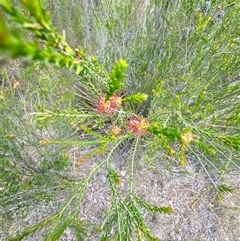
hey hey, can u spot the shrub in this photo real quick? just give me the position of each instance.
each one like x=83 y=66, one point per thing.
x=177 y=97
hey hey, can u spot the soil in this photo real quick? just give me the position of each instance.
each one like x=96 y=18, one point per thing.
x=197 y=215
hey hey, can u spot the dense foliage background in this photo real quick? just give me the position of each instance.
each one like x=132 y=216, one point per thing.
x=108 y=89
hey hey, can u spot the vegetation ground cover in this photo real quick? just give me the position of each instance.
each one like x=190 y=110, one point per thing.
x=120 y=120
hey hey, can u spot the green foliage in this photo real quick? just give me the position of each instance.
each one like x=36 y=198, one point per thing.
x=176 y=94
x=152 y=208
x=124 y=216
x=116 y=77
x=232 y=141
x=222 y=190
x=137 y=98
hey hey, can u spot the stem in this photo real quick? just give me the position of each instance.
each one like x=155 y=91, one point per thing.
x=132 y=165
x=64 y=114
x=206 y=171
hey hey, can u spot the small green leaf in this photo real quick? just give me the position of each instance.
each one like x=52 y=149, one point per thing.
x=6 y=5
x=153 y=208
x=171 y=134
x=117 y=76
x=231 y=141
x=137 y=98
x=78 y=69
x=222 y=190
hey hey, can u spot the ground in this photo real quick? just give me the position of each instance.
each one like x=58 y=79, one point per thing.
x=197 y=214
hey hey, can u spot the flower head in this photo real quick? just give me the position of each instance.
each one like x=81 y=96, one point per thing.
x=103 y=106
x=16 y=85
x=187 y=137
x=116 y=101
x=115 y=130
x=110 y=106
x=138 y=125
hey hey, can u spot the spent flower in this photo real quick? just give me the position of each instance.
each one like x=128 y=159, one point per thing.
x=187 y=137
x=16 y=85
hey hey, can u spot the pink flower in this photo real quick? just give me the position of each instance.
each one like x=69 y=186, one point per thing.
x=103 y=106
x=138 y=125
x=115 y=130
x=110 y=106
x=116 y=101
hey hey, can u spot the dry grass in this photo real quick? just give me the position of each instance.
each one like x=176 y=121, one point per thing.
x=198 y=215
x=208 y=220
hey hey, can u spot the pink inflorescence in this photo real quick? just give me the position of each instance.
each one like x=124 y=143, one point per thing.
x=110 y=106
x=115 y=130
x=138 y=125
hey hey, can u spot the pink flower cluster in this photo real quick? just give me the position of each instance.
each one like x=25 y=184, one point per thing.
x=110 y=106
x=138 y=125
